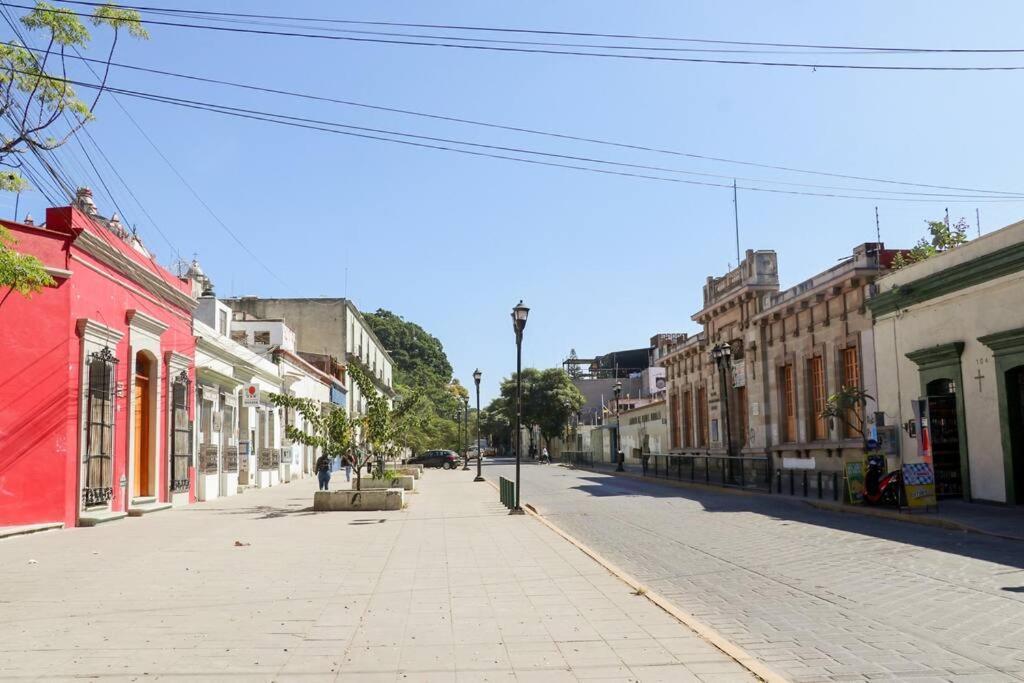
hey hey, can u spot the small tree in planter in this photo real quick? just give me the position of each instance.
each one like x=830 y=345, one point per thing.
x=849 y=406
x=384 y=427
x=330 y=428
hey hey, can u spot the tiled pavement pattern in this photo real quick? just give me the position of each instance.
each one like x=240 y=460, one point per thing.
x=451 y=589
x=817 y=595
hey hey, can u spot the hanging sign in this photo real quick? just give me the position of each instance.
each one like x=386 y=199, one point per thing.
x=251 y=396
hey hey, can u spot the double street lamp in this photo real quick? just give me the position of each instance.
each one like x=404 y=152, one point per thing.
x=721 y=355
x=618 y=449
x=479 y=452
x=519 y=315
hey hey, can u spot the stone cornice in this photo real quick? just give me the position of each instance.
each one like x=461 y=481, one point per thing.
x=177 y=360
x=145 y=322
x=1002 y=343
x=95 y=246
x=996 y=264
x=937 y=356
x=94 y=331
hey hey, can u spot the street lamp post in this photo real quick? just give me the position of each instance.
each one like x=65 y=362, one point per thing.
x=465 y=441
x=479 y=451
x=619 y=467
x=458 y=428
x=519 y=314
x=721 y=354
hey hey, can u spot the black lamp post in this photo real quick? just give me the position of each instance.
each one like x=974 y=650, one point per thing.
x=479 y=451
x=465 y=432
x=618 y=452
x=721 y=354
x=458 y=427
x=519 y=314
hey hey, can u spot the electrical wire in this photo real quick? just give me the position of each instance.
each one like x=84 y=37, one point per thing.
x=457 y=27
x=538 y=50
x=531 y=131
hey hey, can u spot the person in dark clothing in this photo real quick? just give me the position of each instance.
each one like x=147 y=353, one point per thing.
x=323 y=471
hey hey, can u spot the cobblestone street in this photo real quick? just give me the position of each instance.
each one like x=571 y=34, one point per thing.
x=817 y=595
x=258 y=588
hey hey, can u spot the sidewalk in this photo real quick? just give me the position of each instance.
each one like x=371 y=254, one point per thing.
x=450 y=589
x=957 y=515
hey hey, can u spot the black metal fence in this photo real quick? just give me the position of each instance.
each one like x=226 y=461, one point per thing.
x=577 y=458
x=507 y=492
x=809 y=483
x=740 y=472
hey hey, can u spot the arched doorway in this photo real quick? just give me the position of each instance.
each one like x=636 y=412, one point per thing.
x=143 y=474
x=1015 y=418
x=944 y=428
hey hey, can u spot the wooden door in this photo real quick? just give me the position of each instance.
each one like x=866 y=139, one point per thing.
x=140 y=448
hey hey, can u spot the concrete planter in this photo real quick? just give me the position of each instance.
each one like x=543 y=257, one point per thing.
x=406 y=482
x=414 y=472
x=339 y=501
x=406 y=469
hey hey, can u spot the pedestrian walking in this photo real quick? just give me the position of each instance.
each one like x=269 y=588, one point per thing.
x=544 y=457
x=347 y=459
x=323 y=472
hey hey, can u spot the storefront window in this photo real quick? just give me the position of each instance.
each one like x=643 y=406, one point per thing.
x=99 y=439
x=181 y=433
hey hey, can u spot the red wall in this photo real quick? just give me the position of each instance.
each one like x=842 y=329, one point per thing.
x=37 y=430
x=39 y=378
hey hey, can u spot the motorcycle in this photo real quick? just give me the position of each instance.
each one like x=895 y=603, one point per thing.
x=881 y=487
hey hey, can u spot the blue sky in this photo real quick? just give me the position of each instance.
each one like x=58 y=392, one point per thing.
x=453 y=242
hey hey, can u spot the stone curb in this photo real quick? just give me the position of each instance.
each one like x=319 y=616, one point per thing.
x=25 y=530
x=737 y=653
x=938 y=522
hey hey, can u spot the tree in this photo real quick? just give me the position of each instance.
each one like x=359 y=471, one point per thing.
x=421 y=366
x=849 y=406
x=383 y=428
x=23 y=273
x=41 y=111
x=549 y=400
x=943 y=238
x=330 y=428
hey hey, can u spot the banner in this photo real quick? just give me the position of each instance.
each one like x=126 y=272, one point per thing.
x=924 y=436
x=919 y=485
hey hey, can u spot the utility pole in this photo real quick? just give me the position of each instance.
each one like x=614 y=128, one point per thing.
x=977 y=220
x=736 y=218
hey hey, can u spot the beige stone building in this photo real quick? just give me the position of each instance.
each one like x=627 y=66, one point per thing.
x=790 y=349
x=951 y=330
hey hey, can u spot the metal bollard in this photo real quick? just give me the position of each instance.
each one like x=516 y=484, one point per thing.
x=819 y=486
x=792 y=484
x=835 y=486
x=805 y=483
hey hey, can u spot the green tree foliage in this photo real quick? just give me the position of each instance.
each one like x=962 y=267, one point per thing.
x=385 y=428
x=422 y=366
x=849 y=405
x=22 y=272
x=941 y=238
x=549 y=400
x=39 y=109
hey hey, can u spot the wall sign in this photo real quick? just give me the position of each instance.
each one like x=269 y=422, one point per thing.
x=251 y=396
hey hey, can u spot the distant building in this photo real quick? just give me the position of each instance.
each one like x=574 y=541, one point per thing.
x=332 y=327
x=790 y=349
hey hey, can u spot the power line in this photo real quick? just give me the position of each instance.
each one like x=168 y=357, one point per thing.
x=538 y=50
x=563 y=136
x=298 y=122
x=457 y=27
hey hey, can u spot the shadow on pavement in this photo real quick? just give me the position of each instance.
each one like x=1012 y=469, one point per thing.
x=1006 y=552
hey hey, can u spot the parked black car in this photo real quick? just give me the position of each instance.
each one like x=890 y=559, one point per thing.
x=448 y=460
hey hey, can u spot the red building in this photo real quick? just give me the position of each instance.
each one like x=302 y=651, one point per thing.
x=95 y=377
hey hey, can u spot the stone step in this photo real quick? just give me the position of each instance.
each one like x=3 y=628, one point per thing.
x=95 y=517
x=147 y=508
x=143 y=500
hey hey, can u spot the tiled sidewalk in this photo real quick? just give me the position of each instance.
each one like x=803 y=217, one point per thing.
x=451 y=589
